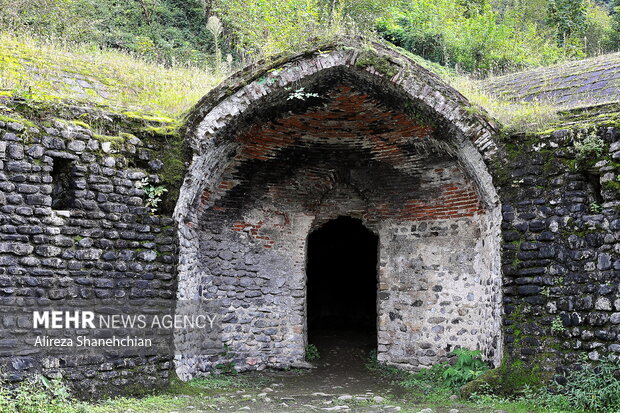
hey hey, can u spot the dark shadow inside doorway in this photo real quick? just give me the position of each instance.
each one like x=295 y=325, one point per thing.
x=342 y=286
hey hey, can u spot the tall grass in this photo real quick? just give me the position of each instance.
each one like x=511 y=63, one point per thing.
x=49 y=70
x=52 y=70
x=514 y=116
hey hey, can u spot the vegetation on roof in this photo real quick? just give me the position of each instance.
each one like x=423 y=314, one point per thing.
x=48 y=71
x=162 y=56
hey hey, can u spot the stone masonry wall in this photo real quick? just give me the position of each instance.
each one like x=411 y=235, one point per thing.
x=102 y=243
x=438 y=290
x=561 y=246
x=346 y=153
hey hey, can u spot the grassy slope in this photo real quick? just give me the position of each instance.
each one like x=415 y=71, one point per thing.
x=48 y=72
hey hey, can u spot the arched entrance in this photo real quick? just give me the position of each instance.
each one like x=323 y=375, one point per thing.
x=324 y=135
x=342 y=282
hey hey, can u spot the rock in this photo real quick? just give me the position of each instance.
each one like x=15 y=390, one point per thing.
x=302 y=365
x=378 y=399
x=345 y=397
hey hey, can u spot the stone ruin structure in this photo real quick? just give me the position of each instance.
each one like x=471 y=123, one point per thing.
x=465 y=236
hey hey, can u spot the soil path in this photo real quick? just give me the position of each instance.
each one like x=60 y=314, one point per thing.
x=339 y=382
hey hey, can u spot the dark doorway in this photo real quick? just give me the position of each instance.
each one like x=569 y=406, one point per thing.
x=342 y=281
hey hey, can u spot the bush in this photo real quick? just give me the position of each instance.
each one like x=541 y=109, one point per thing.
x=468 y=366
x=508 y=380
x=440 y=378
x=166 y=31
x=38 y=395
x=264 y=28
x=480 y=40
x=590 y=148
x=589 y=388
x=593 y=388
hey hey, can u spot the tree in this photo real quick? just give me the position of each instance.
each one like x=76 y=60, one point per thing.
x=599 y=31
x=473 y=7
x=569 y=19
x=615 y=25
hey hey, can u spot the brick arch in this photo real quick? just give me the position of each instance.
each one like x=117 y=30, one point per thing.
x=362 y=132
x=240 y=97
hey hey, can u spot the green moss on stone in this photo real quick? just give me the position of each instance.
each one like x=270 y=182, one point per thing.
x=507 y=380
x=80 y=124
x=17 y=119
x=381 y=64
x=612 y=185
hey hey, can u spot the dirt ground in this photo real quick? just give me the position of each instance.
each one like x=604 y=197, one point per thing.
x=340 y=381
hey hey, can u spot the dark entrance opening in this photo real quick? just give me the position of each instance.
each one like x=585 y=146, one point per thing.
x=62 y=183
x=342 y=283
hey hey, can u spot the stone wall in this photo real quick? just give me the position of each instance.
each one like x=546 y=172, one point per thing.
x=438 y=291
x=280 y=150
x=561 y=246
x=99 y=242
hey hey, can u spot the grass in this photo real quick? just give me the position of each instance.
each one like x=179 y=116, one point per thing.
x=212 y=393
x=50 y=70
x=514 y=116
x=429 y=388
x=39 y=395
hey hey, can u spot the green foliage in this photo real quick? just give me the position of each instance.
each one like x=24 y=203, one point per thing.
x=31 y=67
x=595 y=207
x=477 y=36
x=508 y=380
x=482 y=42
x=312 y=353
x=568 y=17
x=468 y=366
x=557 y=325
x=264 y=28
x=301 y=94
x=615 y=25
x=590 y=388
x=594 y=387
x=269 y=27
x=589 y=148
x=441 y=378
x=153 y=194
x=37 y=395
x=228 y=365
x=599 y=30
x=166 y=31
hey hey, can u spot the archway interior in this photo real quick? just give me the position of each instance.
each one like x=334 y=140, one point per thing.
x=348 y=152
x=342 y=282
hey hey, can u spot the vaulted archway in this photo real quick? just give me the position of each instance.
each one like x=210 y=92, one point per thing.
x=351 y=131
